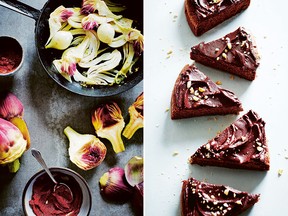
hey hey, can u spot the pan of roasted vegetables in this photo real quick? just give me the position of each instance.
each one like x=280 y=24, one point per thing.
x=89 y=47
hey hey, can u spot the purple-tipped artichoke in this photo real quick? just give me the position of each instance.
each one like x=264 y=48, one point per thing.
x=85 y=150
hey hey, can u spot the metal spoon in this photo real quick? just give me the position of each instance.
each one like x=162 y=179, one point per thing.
x=65 y=188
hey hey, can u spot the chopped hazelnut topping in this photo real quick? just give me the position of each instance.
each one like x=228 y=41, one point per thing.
x=258 y=143
x=217 y=59
x=196 y=93
x=216 y=1
x=201 y=89
x=212 y=196
x=191 y=90
x=205 y=97
x=195 y=98
x=229 y=45
x=217 y=49
x=225 y=205
x=189 y=84
x=226 y=191
x=207 y=146
x=224 y=55
x=259 y=148
x=243 y=138
x=239 y=202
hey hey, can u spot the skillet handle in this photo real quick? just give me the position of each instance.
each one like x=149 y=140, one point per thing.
x=21 y=8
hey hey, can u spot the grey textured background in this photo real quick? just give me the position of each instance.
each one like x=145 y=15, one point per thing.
x=48 y=110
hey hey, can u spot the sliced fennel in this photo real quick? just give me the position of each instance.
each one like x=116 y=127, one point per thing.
x=100 y=48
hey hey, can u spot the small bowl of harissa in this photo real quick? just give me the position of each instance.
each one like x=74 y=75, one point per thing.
x=41 y=198
x=11 y=56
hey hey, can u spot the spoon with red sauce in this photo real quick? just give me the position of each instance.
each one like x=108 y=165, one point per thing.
x=62 y=191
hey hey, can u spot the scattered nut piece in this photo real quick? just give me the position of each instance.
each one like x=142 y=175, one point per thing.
x=280 y=172
x=189 y=84
x=259 y=148
x=175 y=153
x=201 y=89
x=224 y=55
x=226 y=191
x=239 y=202
x=218 y=82
x=195 y=98
x=217 y=49
x=191 y=90
x=229 y=45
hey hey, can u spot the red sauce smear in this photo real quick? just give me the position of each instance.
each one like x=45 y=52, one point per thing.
x=48 y=201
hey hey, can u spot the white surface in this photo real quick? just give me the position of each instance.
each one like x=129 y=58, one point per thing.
x=166 y=30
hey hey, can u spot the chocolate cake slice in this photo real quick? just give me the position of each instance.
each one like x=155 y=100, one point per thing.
x=201 y=199
x=203 y=15
x=235 y=53
x=242 y=145
x=195 y=94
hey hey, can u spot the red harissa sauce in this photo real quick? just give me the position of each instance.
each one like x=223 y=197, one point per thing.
x=47 y=201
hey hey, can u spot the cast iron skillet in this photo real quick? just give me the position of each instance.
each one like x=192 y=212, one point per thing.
x=134 y=11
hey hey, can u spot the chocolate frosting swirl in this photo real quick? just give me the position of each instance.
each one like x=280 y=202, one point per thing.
x=241 y=142
x=196 y=90
x=237 y=48
x=204 y=199
x=205 y=8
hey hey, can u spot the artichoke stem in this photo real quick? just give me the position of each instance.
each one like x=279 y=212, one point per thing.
x=132 y=127
x=116 y=141
x=14 y=166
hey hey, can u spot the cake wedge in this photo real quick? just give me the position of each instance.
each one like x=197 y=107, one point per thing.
x=200 y=199
x=235 y=53
x=242 y=145
x=195 y=94
x=203 y=15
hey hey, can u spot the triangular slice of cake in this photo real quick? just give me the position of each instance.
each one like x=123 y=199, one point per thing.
x=242 y=145
x=201 y=198
x=195 y=94
x=235 y=53
x=203 y=15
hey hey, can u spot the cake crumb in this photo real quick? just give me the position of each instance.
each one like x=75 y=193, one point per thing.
x=232 y=77
x=167 y=109
x=169 y=53
x=175 y=153
x=218 y=82
x=280 y=172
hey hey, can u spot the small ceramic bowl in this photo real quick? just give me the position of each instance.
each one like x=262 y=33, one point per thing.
x=28 y=190
x=11 y=56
